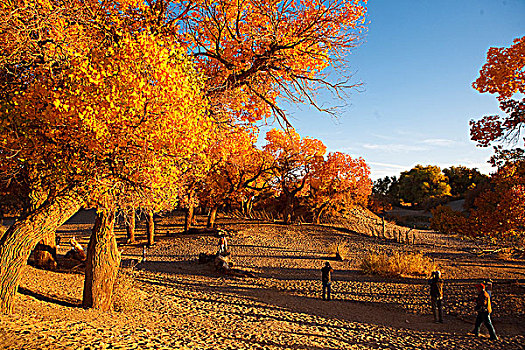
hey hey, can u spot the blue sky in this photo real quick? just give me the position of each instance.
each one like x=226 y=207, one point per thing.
x=417 y=63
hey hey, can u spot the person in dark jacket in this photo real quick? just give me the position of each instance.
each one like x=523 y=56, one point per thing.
x=436 y=296
x=326 y=278
x=484 y=309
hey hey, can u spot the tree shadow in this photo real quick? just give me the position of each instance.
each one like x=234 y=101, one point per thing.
x=63 y=301
x=375 y=310
x=269 y=343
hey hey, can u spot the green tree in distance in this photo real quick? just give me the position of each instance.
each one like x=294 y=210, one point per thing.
x=421 y=183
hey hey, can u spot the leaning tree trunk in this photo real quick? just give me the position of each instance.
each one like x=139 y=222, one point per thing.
x=150 y=228
x=18 y=241
x=318 y=214
x=103 y=260
x=130 y=226
x=212 y=216
x=45 y=252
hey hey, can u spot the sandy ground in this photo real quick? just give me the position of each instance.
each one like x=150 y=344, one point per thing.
x=182 y=304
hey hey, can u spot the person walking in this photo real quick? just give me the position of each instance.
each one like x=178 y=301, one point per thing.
x=488 y=287
x=326 y=278
x=484 y=309
x=436 y=296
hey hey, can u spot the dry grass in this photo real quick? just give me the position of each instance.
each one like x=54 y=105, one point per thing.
x=505 y=254
x=125 y=297
x=397 y=264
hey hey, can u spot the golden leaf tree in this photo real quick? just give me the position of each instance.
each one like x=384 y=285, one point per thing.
x=102 y=113
x=237 y=168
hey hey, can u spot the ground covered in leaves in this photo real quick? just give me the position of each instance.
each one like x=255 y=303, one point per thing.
x=177 y=303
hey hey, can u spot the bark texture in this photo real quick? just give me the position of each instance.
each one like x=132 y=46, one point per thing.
x=247 y=206
x=18 y=241
x=103 y=260
x=130 y=226
x=150 y=228
x=288 y=210
x=211 y=217
x=188 y=220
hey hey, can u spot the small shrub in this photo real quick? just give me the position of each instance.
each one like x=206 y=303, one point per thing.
x=339 y=250
x=125 y=297
x=505 y=254
x=397 y=264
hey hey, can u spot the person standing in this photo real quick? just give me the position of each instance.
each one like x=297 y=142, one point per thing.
x=436 y=296
x=484 y=309
x=326 y=278
x=223 y=245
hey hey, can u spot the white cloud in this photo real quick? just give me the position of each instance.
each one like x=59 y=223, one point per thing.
x=439 y=142
x=394 y=148
x=389 y=166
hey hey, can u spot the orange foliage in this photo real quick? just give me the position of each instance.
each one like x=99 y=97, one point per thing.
x=504 y=72
x=500 y=210
x=293 y=159
x=339 y=182
x=237 y=167
x=300 y=171
x=101 y=94
x=503 y=75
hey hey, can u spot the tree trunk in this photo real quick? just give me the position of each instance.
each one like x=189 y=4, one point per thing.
x=130 y=226
x=150 y=228
x=18 y=241
x=194 y=218
x=212 y=216
x=188 y=219
x=243 y=207
x=318 y=213
x=317 y=217
x=103 y=260
x=288 y=210
x=247 y=206
x=45 y=252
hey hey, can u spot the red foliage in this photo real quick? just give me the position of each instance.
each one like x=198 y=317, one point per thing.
x=498 y=211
